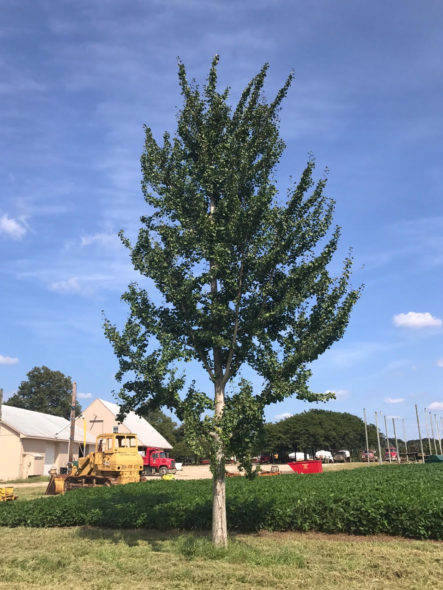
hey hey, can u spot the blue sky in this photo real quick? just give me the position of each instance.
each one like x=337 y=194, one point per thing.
x=79 y=79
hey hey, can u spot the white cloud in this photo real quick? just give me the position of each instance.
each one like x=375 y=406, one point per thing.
x=8 y=360
x=100 y=238
x=69 y=286
x=436 y=406
x=340 y=394
x=416 y=320
x=84 y=395
x=394 y=400
x=440 y=363
x=11 y=227
x=283 y=416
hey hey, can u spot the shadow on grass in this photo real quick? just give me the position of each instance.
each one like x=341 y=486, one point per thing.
x=198 y=546
x=131 y=537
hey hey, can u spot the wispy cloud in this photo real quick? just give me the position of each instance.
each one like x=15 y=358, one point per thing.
x=69 y=286
x=340 y=394
x=413 y=319
x=11 y=227
x=102 y=239
x=283 y=416
x=359 y=352
x=84 y=395
x=8 y=360
x=440 y=363
x=394 y=400
x=436 y=406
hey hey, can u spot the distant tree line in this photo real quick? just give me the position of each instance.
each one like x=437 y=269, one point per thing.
x=306 y=432
x=49 y=392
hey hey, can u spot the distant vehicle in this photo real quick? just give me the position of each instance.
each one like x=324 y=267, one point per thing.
x=342 y=456
x=392 y=451
x=371 y=453
x=265 y=459
x=205 y=461
x=324 y=456
x=156 y=462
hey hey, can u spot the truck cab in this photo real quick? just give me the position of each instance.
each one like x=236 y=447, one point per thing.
x=156 y=462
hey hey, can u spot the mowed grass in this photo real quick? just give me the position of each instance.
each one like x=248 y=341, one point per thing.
x=103 y=559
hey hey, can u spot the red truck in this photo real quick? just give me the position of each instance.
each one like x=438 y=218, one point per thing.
x=156 y=462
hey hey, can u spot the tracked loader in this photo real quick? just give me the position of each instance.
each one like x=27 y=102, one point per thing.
x=116 y=460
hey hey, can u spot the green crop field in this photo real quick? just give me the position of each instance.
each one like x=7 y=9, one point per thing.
x=402 y=500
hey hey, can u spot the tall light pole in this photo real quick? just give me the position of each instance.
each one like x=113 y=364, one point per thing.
x=419 y=435
x=387 y=440
x=427 y=431
x=404 y=438
x=396 y=441
x=378 y=439
x=366 y=435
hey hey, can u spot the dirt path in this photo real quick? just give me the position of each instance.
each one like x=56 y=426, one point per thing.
x=203 y=472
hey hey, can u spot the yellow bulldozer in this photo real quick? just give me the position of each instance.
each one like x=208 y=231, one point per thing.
x=7 y=494
x=116 y=460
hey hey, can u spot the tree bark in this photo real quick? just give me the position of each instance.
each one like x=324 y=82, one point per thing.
x=219 y=523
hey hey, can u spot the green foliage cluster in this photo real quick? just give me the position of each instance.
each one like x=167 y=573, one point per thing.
x=396 y=500
x=45 y=391
x=239 y=274
x=319 y=429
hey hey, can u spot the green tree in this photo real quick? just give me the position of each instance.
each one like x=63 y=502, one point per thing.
x=45 y=391
x=243 y=275
x=319 y=429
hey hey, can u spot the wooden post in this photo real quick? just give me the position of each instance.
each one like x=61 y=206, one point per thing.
x=419 y=435
x=378 y=439
x=396 y=441
x=366 y=435
x=387 y=440
x=72 y=432
x=427 y=432
x=404 y=436
x=438 y=432
x=432 y=433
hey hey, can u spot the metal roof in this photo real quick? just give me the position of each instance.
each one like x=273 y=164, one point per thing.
x=38 y=425
x=147 y=434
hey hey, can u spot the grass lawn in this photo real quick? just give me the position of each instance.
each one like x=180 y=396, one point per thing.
x=89 y=558
x=36 y=479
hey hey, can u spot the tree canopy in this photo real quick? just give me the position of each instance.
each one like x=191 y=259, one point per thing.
x=45 y=391
x=238 y=274
x=319 y=429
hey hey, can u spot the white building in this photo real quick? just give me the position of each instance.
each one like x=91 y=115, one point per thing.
x=32 y=442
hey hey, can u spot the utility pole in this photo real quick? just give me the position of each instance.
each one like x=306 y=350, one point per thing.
x=438 y=432
x=387 y=440
x=404 y=438
x=419 y=435
x=72 y=432
x=378 y=439
x=427 y=432
x=432 y=432
x=396 y=441
x=366 y=435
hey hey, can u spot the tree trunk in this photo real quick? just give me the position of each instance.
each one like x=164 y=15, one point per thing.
x=219 y=523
